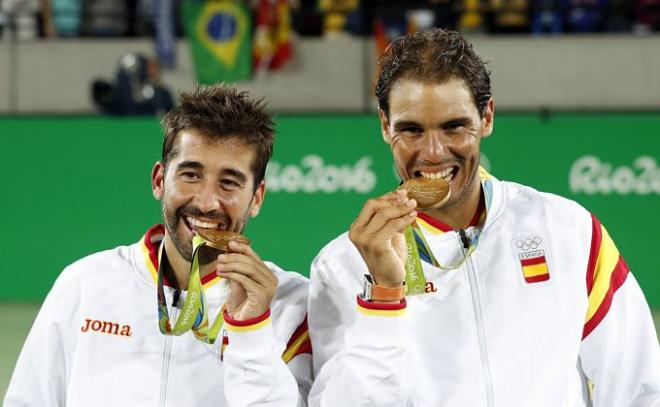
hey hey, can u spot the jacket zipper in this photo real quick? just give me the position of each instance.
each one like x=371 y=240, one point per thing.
x=167 y=353
x=478 y=315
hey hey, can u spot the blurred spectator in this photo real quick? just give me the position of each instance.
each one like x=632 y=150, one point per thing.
x=384 y=18
x=620 y=16
x=471 y=18
x=137 y=89
x=585 y=16
x=547 y=16
x=389 y=24
x=23 y=16
x=104 y=18
x=307 y=18
x=647 y=16
x=446 y=13
x=336 y=12
x=420 y=19
x=509 y=16
x=66 y=17
x=139 y=17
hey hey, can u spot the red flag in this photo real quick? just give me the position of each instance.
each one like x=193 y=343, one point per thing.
x=272 y=36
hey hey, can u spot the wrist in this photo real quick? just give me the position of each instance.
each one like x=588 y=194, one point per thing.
x=382 y=293
x=245 y=321
x=390 y=284
x=394 y=282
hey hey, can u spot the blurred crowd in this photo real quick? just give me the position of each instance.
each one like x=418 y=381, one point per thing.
x=31 y=19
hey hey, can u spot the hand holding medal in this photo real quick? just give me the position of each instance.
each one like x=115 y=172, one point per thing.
x=252 y=284
x=382 y=232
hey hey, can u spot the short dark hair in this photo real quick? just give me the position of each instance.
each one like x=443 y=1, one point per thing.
x=222 y=111
x=434 y=55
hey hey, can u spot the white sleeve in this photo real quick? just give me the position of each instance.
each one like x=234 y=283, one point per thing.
x=255 y=373
x=621 y=356
x=359 y=348
x=40 y=377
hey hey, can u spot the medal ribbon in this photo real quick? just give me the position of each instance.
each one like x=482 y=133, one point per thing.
x=194 y=315
x=417 y=245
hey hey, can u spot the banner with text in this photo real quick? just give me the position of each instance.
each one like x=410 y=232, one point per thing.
x=324 y=168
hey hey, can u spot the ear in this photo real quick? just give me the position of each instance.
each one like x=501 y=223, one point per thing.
x=384 y=126
x=488 y=118
x=157 y=178
x=257 y=199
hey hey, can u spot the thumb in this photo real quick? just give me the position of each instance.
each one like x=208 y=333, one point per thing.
x=400 y=245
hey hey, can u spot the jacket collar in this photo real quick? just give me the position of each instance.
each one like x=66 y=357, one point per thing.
x=150 y=254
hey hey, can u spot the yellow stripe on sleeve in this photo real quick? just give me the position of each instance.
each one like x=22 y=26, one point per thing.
x=382 y=312
x=291 y=351
x=608 y=257
x=247 y=328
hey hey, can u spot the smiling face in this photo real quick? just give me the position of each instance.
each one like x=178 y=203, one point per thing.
x=208 y=183
x=435 y=130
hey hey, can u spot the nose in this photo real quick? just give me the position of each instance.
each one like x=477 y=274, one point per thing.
x=208 y=198
x=434 y=147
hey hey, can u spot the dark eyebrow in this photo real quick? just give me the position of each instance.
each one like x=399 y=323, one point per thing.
x=462 y=121
x=239 y=175
x=406 y=123
x=190 y=164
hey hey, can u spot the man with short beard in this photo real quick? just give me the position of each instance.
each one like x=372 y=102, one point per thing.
x=494 y=295
x=170 y=321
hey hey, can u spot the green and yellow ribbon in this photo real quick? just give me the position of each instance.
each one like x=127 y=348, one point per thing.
x=416 y=243
x=194 y=313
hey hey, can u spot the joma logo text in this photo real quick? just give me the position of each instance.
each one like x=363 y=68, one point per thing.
x=106 y=327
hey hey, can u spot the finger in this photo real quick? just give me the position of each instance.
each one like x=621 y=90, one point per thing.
x=397 y=225
x=250 y=261
x=386 y=215
x=249 y=285
x=375 y=204
x=260 y=276
x=239 y=247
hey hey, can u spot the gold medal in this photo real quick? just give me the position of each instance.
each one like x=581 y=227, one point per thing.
x=429 y=193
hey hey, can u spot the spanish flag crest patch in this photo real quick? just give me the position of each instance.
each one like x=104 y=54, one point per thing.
x=533 y=263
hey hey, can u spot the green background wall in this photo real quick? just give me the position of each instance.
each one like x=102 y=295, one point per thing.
x=73 y=186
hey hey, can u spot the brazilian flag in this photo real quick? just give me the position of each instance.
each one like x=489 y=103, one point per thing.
x=219 y=32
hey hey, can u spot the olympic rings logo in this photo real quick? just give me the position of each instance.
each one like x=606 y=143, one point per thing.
x=530 y=243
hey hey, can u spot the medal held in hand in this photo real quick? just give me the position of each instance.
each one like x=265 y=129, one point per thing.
x=194 y=314
x=429 y=194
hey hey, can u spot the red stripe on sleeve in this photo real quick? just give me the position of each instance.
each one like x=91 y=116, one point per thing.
x=596 y=237
x=533 y=261
x=618 y=278
x=246 y=322
x=299 y=331
x=382 y=306
x=305 y=346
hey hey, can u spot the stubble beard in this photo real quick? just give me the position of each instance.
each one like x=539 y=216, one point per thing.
x=206 y=254
x=468 y=188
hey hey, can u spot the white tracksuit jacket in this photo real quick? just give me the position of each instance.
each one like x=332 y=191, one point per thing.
x=96 y=342
x=541 y=311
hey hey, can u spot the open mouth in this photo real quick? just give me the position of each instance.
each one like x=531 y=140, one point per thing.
x=448 y=174
x=192 y=224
